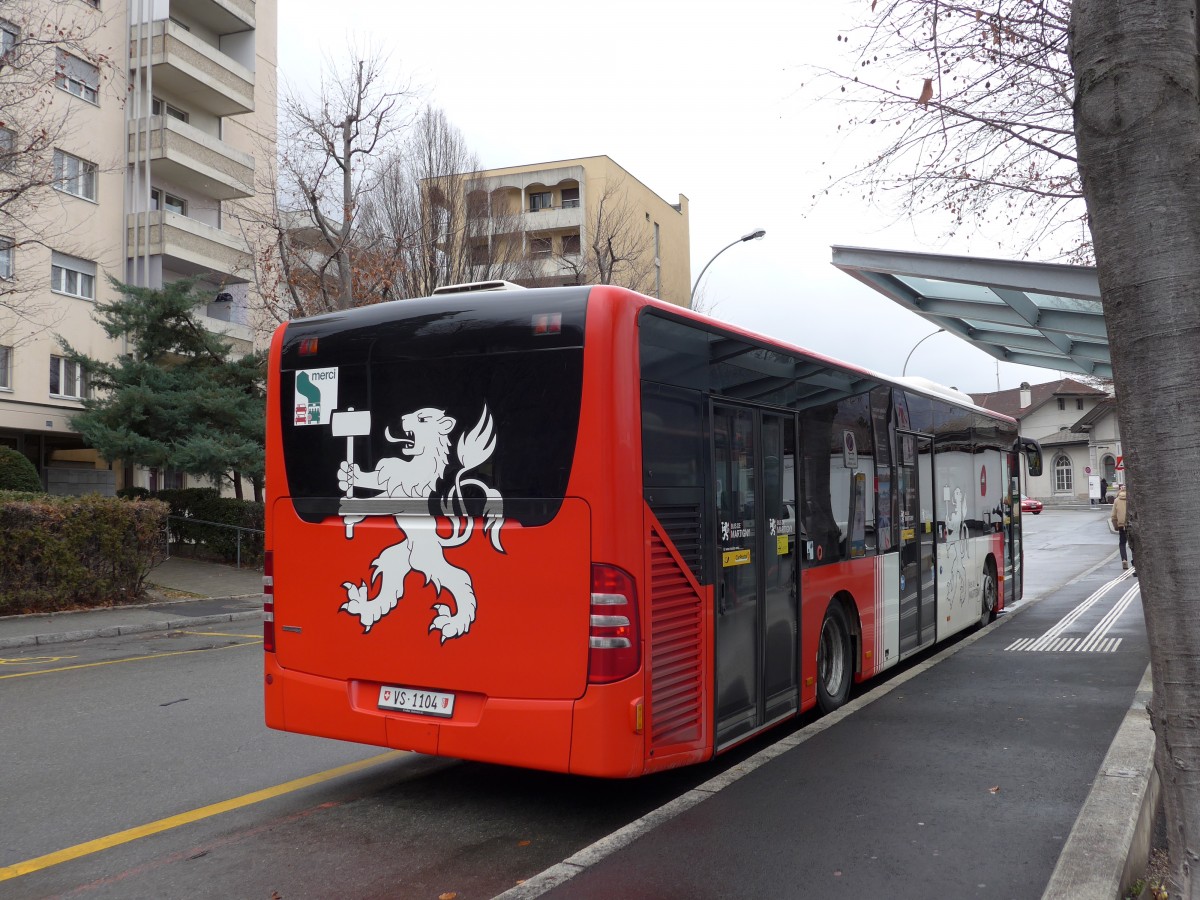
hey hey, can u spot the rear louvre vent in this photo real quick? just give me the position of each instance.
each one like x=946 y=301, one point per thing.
x=683 y=525
x=676 y=691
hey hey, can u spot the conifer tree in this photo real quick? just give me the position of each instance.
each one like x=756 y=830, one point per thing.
x=178 y=398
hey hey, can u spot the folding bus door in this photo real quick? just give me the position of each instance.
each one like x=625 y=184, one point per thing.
x=757 y=583
x=918 y=597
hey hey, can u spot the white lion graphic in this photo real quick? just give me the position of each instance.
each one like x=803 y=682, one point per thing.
x=425 y=455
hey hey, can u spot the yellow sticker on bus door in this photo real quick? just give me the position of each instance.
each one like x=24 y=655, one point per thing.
x=781 y=544
x=735 y=558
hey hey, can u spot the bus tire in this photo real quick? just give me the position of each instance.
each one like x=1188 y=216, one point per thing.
x=989 y=594
x=835 y=664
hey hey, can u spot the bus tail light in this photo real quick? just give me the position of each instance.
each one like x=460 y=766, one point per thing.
x=269 y=602
x=614 y=636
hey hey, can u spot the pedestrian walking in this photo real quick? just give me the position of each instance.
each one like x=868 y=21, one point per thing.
x=1103 y=489
x=1120 y=519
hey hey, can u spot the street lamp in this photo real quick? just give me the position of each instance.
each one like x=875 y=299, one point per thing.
x=904 y=371
x=752 y=236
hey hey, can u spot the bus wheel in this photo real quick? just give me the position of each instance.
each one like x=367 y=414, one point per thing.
x=989 y=590
x=835 y=669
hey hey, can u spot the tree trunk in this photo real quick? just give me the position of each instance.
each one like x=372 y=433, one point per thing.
x=1137 y=128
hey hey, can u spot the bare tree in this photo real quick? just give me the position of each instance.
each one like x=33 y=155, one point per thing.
x=617 y=244
x=970 y=109
x=331 y=150
x=1137 y=126
x=44 y=42
x=430 y=208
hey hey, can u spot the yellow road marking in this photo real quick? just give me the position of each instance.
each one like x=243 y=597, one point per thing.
x=26 y=660
x=110 y=662
x=219 y=634
x=195 y=815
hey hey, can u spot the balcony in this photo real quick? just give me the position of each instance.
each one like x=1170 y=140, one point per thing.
x=187 y=246
x=185 y=155
x=553 y=218
x=186 y=66
x=220 y=16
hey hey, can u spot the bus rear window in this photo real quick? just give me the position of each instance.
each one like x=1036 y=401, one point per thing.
x=407 y=422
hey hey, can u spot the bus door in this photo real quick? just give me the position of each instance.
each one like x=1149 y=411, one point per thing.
x=918 y=598
x=1012 y=527
x=757 y=583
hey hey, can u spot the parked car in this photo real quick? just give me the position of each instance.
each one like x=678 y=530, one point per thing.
x=1029 y=505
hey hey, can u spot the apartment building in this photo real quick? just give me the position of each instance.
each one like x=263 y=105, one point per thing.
x=156 y=136
x=575 y=221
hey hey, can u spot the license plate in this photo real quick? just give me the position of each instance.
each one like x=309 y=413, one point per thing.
x=425 y=703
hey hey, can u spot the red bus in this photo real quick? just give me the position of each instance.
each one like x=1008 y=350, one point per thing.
x=581 y=530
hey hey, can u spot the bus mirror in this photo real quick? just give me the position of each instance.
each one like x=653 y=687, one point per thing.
x=1033 y=455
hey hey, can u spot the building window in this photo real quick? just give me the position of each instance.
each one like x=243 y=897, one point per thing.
x=543 y=200
x=1079 y=403
x=570 y=198
x=77 y=76
x=76 y=277
x=570 y=244
x=1062 y=403
x=6 y=258
x=67 y=379
x=162 y=200
x=75 y=176
x=479 y=254
x=9 y=35
x=1064 y=477
x=540 y=246
x=1109 y=467
x=8 y=144
x=162 y=108
x=6 y=354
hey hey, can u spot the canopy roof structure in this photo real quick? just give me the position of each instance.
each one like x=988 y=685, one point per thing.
x=1034 y=314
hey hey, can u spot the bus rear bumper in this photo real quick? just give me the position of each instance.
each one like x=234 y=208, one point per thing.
x=525 y=733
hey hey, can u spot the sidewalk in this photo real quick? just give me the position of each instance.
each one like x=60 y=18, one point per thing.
x=185 y=593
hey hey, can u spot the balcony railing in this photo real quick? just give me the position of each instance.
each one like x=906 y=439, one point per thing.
x=553 y=217
x=187 y=246
x=184 y=155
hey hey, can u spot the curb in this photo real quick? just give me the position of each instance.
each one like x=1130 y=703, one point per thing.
x=62 y=637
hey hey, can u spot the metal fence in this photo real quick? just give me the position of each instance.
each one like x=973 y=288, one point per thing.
x=179 y=531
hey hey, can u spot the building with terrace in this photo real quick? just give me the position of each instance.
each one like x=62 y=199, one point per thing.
x=575 y=221
x=159 y=112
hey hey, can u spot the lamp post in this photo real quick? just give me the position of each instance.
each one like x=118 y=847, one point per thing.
x=904 y=371
x=752 y=236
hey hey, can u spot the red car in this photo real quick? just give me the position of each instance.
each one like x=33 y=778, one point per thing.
x=1029 y=505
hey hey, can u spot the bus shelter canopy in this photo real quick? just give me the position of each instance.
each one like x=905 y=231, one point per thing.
x=1034 y=314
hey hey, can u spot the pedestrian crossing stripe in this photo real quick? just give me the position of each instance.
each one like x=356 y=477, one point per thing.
x=1096 y=640
x=1067 y=645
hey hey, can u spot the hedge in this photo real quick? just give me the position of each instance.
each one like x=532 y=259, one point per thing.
x=67 y=552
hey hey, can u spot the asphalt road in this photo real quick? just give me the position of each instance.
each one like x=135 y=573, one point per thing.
x=103 y=740
x=139 y=767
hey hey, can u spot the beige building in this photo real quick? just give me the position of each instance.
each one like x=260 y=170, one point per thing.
x=1076 y=424
x=574 y=221
x=154 y=159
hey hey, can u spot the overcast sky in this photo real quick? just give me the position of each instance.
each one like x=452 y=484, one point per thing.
x=695 y=98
